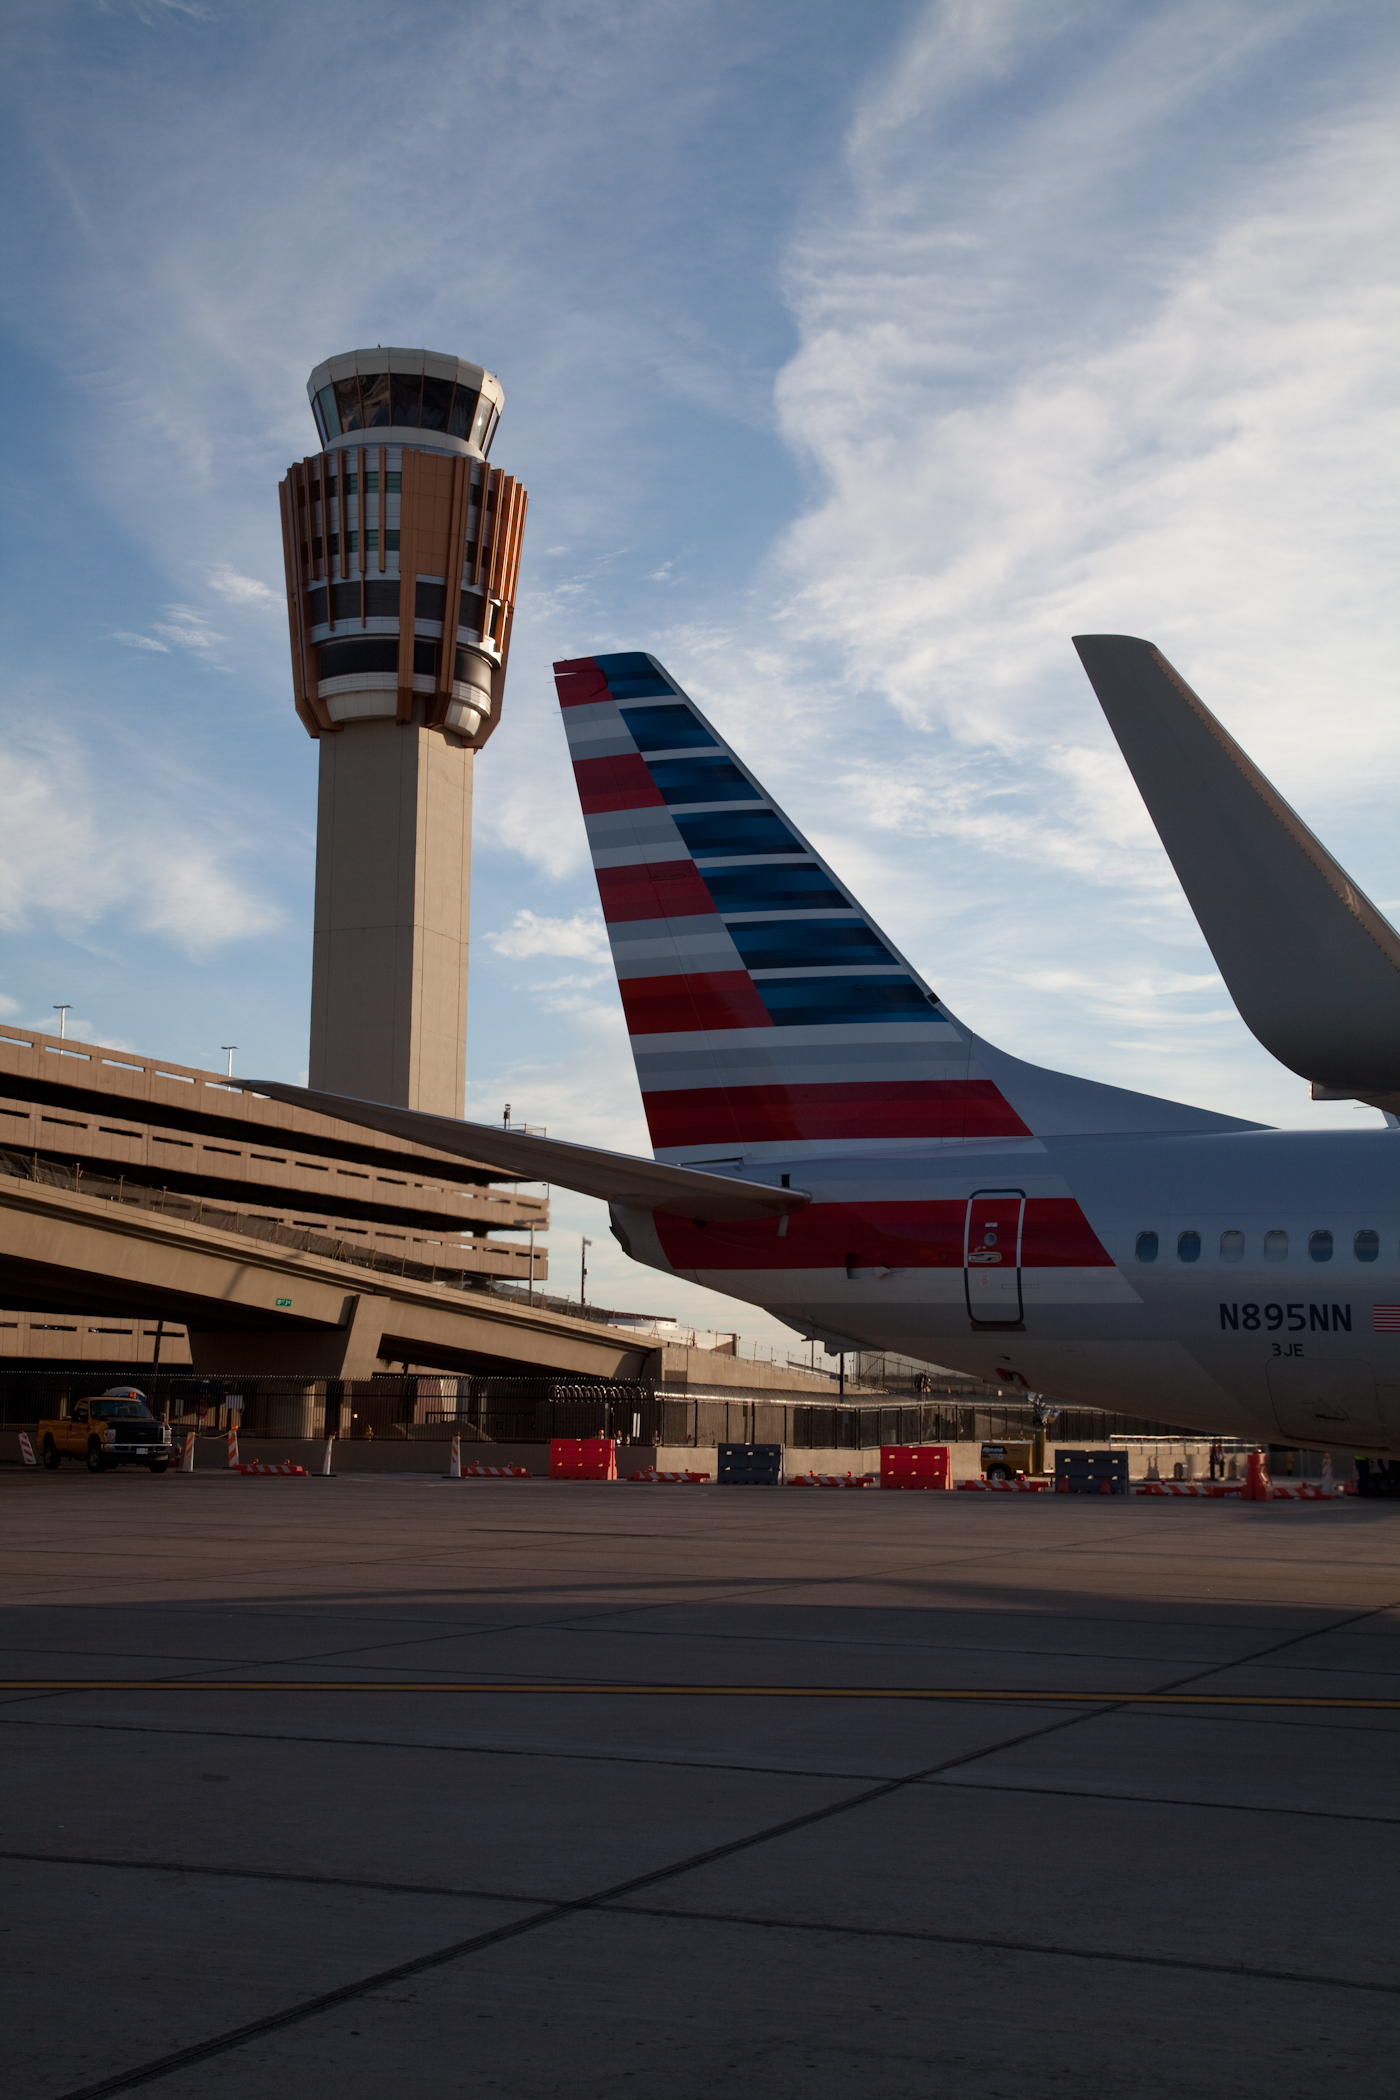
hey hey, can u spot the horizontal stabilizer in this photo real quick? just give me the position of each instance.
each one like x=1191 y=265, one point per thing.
x=1312 y=965
x=615 y=1177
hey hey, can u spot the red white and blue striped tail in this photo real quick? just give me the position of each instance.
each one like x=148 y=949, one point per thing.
x=768 y=1013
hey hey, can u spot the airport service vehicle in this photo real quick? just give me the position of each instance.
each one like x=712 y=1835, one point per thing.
x=833 y=1143
x=115 y=1428
x=1005 y=1461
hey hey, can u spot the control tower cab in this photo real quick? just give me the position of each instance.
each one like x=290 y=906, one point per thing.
x=402 y=546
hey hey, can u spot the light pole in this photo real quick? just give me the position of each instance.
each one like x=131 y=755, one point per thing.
x=63 y=1013
x=230 y=1047
x=505 y=1117
x=583 y=1267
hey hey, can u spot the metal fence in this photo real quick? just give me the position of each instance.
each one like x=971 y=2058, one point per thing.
x=531 y=1410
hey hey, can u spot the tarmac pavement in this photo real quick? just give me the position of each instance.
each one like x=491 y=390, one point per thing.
x=1138 y=1834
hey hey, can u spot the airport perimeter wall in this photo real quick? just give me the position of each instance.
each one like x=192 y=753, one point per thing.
x=430 y=1457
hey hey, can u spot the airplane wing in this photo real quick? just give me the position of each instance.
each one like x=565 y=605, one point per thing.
x=1312 y=965
x=616 y=1177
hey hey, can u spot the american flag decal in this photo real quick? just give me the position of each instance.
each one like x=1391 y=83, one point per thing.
x=1385 y=1319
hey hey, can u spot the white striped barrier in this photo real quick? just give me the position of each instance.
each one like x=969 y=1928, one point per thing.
x=495 y=1472
x=649 y=1476
x=233 y=1447
x=185 y=1461
x=26 y=1449
x=454 y=1469
x=259 y=1469
x=831 y=1480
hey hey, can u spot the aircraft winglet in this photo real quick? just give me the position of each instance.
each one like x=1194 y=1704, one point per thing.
x=1312 y=965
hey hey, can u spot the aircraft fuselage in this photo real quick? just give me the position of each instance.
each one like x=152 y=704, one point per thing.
x=1246 y=1282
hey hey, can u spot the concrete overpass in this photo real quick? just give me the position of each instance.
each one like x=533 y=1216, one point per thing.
x=250 y=1305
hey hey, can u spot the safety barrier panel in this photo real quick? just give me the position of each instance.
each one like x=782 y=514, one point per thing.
x=1003 y=1487
x=650 y=1476
x=582 y=1458
x=233 y=1447
x=26 y=1449
x=833 y=1480
x=477 y=1472
x=255 y=1468
x=749 y=1465
x=1177 y=1490
x=916 y=1466
x=1091 y=1472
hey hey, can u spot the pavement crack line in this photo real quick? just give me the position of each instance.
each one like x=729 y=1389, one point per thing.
x=552 y=1914
x=837 y=1928
x=460 y=1950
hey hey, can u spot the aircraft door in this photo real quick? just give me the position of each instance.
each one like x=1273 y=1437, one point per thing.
x=1321 y=1403
x=992 y=1257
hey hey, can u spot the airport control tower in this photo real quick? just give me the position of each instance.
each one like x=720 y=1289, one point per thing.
x=400 y=517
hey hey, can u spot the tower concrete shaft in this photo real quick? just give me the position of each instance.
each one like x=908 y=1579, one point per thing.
x=402 y=548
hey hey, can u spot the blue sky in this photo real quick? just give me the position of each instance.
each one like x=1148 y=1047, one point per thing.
x=853 y=357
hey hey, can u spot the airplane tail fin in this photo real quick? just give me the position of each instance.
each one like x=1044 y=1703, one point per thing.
x=768 y=1013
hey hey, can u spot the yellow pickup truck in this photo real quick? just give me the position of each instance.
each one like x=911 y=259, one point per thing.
x=116 y=1428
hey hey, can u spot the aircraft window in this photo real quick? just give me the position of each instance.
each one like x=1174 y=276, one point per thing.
x=1188 y=1246
x=1367 y=1245
x=1320 y=1246
x=1147 y=1246
x=1275 y=1246
x=1232 y=1246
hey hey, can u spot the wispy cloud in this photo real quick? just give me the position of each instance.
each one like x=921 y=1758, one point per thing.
x=141 y=641
x=529 y=933
x=242 y=590
x=66 y=862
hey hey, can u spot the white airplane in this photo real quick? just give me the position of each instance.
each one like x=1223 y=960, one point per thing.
x=833 y=1144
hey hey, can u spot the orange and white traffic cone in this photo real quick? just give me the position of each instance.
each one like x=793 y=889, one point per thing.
x=26 y=1449
x=1256 y=1486
x=454 y=1469
x=233 y=1447
x=186 y=1464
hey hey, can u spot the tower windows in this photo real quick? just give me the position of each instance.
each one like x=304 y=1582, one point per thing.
x=365 y=653
x=374 y=400
x=405 y=399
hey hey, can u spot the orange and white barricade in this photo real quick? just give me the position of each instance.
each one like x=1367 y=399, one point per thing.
x=479 y=1472
x=454 y=1464
x=233 y=1447
x=26 y=1449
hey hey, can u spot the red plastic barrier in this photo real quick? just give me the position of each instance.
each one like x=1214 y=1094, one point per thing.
x=582 y=1458
x=916 y=1466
